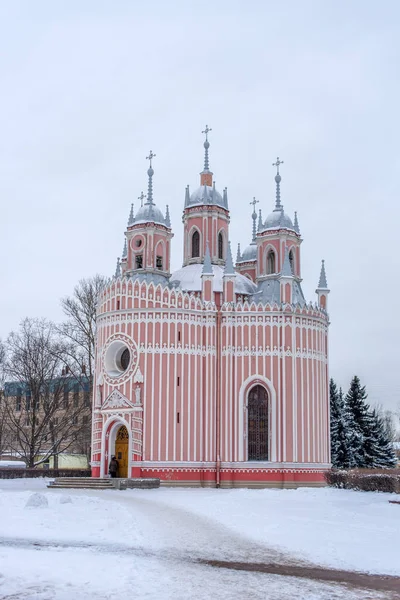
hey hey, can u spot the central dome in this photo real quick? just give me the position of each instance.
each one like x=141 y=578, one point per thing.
x=278 y=219
x=206 y=194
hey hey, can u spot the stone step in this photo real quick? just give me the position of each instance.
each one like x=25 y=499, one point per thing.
x=81 y=483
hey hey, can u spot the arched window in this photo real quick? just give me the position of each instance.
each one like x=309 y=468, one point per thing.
x=270 y=262
x=291 y=260
x=195 y=244
x=257 y=423
x=220 y=246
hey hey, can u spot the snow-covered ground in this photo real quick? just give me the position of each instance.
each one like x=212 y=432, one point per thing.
x=145 y=544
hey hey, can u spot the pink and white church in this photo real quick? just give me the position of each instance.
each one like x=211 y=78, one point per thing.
x=217 y=374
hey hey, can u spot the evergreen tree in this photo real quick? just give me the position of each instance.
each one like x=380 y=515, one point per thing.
x=383 y=451
x=340 y=451
x=369 y=446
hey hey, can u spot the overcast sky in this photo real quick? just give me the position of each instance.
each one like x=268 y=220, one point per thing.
x=88 y=88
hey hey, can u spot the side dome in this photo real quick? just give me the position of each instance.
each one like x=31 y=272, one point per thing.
x=149 y=213
x=249 y=254
x=278 y=219
x=206 y=194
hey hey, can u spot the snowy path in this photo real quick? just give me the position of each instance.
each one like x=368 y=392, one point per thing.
x=104 y=545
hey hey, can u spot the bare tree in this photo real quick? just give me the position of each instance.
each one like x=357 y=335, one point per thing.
x=40 y=424
x=79 y=330
x=3 y=421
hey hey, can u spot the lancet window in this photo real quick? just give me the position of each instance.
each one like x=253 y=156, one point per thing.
x=270 y=262
x=195 y=244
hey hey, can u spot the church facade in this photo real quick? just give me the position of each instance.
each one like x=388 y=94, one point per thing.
x=216 y=374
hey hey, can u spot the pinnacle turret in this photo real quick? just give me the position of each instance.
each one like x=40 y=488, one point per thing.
x=260 y=221
x=238 y=255
x=322 y=284
x=167 y=217
x=296 y=223
x=125 y=250
x=229 y=269
x=131 y=218
x=207 y=265
x=118 y=269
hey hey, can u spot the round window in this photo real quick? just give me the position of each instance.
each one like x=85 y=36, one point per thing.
x=117 y=358
x=138 y=243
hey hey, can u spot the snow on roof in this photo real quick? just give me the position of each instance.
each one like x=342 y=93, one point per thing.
x=189 y=279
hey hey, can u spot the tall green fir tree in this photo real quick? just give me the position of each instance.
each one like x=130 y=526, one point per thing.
x=359 y=423
x=341 y=456
x=368 y=443
x=382 y=451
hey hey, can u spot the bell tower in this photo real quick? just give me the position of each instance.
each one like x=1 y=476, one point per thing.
x=147 y=247
x=205 y=218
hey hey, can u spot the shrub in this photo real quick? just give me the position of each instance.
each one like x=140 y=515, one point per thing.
x=374 y=480
x=10 y=473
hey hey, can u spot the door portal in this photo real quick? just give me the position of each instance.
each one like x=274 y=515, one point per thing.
x=121 y=451
x=257 y=423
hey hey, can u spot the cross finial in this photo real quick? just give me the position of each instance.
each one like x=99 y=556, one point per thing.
x=253 y=203
x=207 y=131
x=254 y=217
x=141 y=198
x=276 y=164
x=150 y=156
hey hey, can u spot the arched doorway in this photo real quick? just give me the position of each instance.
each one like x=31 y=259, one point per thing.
x=257 y=423
x=121 y=450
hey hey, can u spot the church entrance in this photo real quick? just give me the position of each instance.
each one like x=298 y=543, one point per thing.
x=121 y=450
x=257 y=423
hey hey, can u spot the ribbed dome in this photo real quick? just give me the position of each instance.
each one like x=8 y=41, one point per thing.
x=277 y=219
x=149 y=213
x=250 y=253
x=206 y=194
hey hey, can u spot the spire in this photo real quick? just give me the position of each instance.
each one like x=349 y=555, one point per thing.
x=286 y=267
x=150 y=173
x=187 y=196
x=322 y=284
x=254 y=217
x=118 y=269
x=278 y=205
x=296 y=223
x=131 y=219
x=206 y=147
x=125 y=250
x=167 y=218
x=260 y=223
x=225 y=198
x=238 y=256
x=207 y=266
x=229 y=270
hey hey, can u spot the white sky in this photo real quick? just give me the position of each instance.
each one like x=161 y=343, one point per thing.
x=89 y=87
